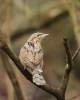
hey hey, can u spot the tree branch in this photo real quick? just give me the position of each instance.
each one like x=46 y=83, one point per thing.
x=58 y=93
x=76 y=53
x=68 y=67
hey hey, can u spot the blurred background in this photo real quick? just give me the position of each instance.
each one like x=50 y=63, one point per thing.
x=58 y=18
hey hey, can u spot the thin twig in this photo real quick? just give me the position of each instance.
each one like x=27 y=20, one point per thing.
x=76 y=53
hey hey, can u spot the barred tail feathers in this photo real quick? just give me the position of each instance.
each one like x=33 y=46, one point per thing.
x=37 y=77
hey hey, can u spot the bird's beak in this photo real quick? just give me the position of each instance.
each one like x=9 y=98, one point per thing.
x=44 y=35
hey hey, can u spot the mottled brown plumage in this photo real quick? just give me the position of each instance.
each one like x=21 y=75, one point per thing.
x=31 y=55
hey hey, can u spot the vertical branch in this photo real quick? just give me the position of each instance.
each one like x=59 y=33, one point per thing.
x=68 y=67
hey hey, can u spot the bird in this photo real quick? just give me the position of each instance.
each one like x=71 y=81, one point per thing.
x=31 y=56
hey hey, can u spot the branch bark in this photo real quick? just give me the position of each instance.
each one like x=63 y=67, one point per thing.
x=58 y=93
x=68 y=67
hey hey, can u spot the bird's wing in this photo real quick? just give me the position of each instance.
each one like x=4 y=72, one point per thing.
x=38 y=56
x=31 y=57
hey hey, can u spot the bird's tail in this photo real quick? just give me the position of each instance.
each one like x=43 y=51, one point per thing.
x=38 y=78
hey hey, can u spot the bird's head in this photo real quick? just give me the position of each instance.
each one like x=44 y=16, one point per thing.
x=37 y=37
